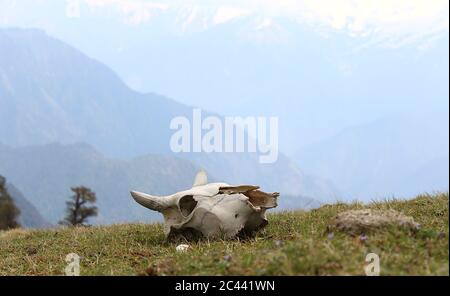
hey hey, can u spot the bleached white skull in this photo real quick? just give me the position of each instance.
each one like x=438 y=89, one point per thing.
x=211 y=209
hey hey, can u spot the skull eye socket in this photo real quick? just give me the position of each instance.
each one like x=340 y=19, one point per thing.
x=187 y=204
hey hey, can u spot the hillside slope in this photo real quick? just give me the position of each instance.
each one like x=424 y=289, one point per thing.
x=294 y=243
x=29 y=216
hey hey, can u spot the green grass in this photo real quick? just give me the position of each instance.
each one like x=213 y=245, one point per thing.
x=294 y=243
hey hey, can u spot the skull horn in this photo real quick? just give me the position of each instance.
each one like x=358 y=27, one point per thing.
x=151 y=202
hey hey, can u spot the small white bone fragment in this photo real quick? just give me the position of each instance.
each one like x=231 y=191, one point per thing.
x=182 y=248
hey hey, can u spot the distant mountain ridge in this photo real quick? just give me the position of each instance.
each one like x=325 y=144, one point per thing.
x=50 y=92
x=395 y=156
x=46 y=174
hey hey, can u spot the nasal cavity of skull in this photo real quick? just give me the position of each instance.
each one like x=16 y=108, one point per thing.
x=187 y=205
x=262 y=199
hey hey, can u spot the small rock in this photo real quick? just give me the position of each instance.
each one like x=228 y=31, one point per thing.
x=357 y=222
x=32 y=251
x=330 y=235
x=227 y=258
x=278 y=243
x=151 y=271
x=363 y=237
x=182 y=248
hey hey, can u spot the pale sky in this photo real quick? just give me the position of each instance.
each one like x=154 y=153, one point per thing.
x=390 y=22
x=387 y=18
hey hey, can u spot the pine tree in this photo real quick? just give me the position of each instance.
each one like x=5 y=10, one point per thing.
x=8 y=210
x=78 y=210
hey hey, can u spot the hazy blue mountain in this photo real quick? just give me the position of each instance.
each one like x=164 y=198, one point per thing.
x=288 y=202
x=400 y=155
x=46 y=174
x=29 y=216
x=430 y=177
x=327 y=85
x=50 y=92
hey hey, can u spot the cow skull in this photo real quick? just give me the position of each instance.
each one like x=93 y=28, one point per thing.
x=211 y=209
